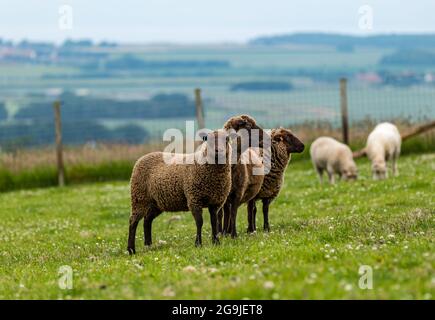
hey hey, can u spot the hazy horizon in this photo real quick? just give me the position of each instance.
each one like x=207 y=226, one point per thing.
x=199 y=43
x=196 y=22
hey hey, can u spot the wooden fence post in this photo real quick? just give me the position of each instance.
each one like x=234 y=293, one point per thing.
x=344 y=113
x=59 y=148
x=199 y=109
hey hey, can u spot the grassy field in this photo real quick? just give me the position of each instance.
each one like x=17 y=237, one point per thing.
x=320 y=237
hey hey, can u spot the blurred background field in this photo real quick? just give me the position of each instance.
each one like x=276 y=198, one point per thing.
x=118 y=99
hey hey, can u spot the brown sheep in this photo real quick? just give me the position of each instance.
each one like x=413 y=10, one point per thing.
x=245 y=185
x=157 y=186
x=284 y=143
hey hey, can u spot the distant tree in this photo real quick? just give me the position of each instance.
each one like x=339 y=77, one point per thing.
x=345 y=48
x=107 y=44
x=88 y=107
x=262 y=86
x=79 y=43
x=3 y=112
x=409 y=58
x=132 y=63
x=127 y=61
x=74 y=132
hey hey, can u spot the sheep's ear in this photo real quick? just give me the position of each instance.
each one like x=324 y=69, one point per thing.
x=278 y=137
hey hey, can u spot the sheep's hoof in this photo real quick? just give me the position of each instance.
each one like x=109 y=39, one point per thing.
x=131 y=251
x=216 y=241
x=198 y=244
x=266 y=229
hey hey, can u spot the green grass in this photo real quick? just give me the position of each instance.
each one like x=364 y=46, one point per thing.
x=320 y=237
x=40 y=177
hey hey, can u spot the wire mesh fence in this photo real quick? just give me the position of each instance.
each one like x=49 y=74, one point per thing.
x=114 y=128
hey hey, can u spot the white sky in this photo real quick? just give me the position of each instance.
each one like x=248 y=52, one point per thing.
x=193 y=21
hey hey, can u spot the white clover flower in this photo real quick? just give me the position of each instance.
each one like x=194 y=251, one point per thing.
x=268 y=285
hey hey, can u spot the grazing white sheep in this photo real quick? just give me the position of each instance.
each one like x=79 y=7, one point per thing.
x=383 y=144
x=334 y=157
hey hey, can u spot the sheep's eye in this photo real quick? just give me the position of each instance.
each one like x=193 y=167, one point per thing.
x=204 y=138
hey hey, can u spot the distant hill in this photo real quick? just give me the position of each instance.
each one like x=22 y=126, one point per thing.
x=401 y=41
x=409 y=58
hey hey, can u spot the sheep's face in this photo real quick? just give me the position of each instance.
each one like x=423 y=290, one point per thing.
x=241 y=122
x=379 y=170
x=247 y=128
x=293 y=144
x=350 y=173
x=218 y=146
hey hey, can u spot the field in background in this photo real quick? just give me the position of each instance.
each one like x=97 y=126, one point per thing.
x=312 y=70
x=112 y=116
x=320 y=237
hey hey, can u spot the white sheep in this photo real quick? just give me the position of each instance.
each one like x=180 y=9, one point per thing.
x=383 y=144
x=334 y=157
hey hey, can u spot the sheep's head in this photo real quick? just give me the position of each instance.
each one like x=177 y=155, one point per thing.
x=292 y=143
x=217 y=146
x=241 y=122
x=350 y=173
x=379 y=170
x=251 y=135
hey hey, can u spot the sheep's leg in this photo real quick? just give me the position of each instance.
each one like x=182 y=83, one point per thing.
x=197 y=214
x=134 y=220
x=233 y=220
x=251 y=216
x=213 y=220
x=266 y=203
x=320 y=173
x=227 y=217
x=394 y=165
x=331 y=176
x=219 y=223
x=147 y=226
x=254 y=217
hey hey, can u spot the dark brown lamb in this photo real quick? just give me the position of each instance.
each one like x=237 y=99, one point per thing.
x=245 y=185
x=157 y=186
x=284 y=143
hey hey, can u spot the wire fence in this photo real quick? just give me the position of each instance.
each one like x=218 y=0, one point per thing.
x=109 y=128
x=322 y=104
